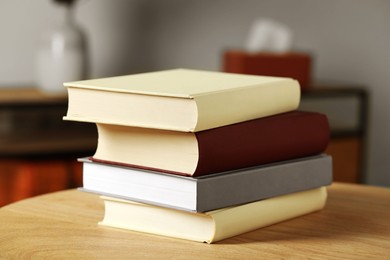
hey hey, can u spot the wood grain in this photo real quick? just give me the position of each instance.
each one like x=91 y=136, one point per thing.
x=354 y=224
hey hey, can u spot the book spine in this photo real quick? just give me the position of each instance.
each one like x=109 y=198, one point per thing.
x=263 y=182
x=272 y=139
x=253 y=216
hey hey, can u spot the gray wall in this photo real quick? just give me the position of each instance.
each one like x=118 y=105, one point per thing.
x=350 y=41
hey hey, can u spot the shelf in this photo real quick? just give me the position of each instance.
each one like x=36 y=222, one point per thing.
x=13 y=97
x=31 y=123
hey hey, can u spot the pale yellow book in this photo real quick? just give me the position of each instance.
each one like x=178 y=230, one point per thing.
x=211 y=226
x=180 y=99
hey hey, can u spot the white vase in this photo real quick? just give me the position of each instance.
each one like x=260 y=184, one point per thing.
x=62 y=55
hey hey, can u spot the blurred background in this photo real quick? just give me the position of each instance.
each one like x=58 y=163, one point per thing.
x=347 y=42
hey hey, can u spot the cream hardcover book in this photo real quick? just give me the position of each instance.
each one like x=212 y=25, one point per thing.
x=214 y=225
x=180 y=99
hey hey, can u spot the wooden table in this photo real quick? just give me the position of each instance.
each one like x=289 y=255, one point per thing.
x=354 y=224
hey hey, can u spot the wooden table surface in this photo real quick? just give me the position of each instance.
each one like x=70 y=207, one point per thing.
x=354 y=224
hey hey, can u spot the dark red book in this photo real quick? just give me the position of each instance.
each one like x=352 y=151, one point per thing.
x=261 y=141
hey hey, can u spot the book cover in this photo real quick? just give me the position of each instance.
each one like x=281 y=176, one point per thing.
x=211 y=191
x=180 y=99
x=210 y=226
x=275 y=138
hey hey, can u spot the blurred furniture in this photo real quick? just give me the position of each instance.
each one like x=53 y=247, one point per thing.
x=38 y=150
x=353 y=224
x=347 y=110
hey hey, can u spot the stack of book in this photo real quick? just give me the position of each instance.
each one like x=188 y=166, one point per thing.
x=201 y=155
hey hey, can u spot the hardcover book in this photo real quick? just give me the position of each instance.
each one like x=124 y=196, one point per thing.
x=208 y=192
x=276 y=138
x=180 y=99
x=210 y=226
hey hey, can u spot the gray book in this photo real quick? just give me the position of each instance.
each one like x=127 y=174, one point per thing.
x=208 y=192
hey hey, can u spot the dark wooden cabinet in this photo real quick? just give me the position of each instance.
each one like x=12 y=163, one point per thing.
x=38 y=150
x=26 y=177
x=347 y=110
